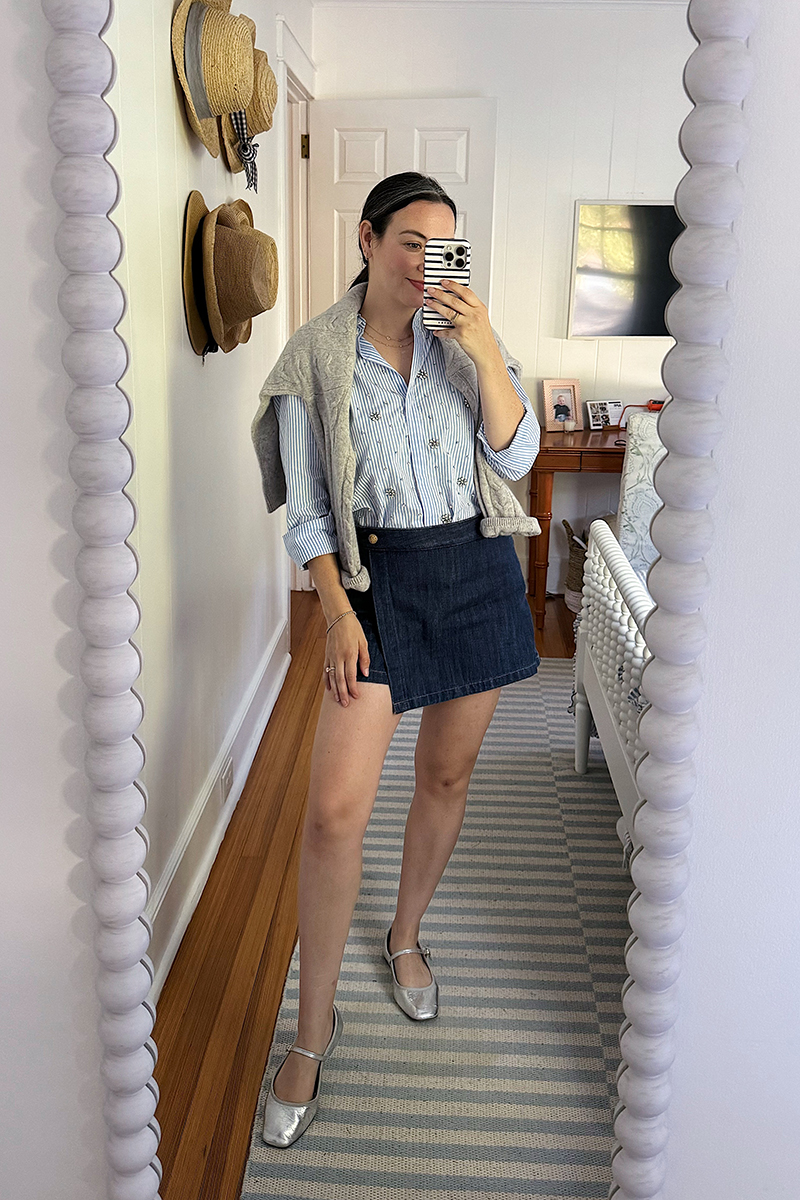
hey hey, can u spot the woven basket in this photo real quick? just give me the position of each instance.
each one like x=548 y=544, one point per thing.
x=577 y=557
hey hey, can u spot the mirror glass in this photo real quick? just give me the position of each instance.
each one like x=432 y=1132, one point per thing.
x=573 y=103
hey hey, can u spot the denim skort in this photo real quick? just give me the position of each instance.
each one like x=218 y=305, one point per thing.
x=446 y=613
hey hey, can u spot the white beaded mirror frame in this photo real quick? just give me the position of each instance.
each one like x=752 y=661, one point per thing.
x=82 y=126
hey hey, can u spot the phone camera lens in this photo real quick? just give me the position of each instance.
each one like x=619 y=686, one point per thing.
x=448 y=256
x=459 y=263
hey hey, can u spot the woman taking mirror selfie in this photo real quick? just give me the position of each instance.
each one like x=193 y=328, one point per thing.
x=390 y=442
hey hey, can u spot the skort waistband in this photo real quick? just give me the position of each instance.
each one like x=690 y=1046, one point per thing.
x=428 y=537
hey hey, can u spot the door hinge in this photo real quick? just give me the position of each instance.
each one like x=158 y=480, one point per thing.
x=304 y=145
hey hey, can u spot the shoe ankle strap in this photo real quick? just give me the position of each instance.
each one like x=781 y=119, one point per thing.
x=311 y=1053
x=423 y=950
x=308 y=1053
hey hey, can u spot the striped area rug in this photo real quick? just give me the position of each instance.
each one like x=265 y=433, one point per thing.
x=510 y=1091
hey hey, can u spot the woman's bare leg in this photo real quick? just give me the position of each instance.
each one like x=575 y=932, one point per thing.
x=346 y=762
x=450 y=737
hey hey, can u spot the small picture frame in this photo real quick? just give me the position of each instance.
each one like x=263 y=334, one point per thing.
x=562 y=403
x=604 y=413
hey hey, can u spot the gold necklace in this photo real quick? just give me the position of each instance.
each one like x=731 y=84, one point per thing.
x=399 y=342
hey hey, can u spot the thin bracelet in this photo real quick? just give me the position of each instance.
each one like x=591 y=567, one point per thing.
x=344 y=614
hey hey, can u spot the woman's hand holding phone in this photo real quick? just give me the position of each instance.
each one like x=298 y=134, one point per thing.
x=471 y=326
x=451 y=308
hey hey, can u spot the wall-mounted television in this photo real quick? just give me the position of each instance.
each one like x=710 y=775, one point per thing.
x=620 y=281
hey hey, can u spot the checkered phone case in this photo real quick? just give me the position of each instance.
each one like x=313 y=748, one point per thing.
x=445 y=258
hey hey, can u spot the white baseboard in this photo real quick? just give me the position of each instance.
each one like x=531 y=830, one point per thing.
x=240 y=744
x=556 y=572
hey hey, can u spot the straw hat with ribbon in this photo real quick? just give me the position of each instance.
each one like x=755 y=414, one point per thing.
x=239 y=150
x=230 y=274
x=213 y=53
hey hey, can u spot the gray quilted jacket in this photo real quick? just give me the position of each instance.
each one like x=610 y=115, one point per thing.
x=318 y=363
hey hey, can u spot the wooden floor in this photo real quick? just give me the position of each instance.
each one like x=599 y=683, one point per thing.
x=557 y=639
x=219 y=1004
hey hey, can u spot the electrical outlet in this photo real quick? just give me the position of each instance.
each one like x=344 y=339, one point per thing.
x=226 y=780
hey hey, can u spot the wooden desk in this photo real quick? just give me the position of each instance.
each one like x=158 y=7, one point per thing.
x=584 y=450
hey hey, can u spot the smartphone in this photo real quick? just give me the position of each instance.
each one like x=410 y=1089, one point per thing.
x=445 y=258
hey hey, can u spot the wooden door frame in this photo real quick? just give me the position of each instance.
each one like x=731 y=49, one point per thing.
x=297 y=266
x=295 y=74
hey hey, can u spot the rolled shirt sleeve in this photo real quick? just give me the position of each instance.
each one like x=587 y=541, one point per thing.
x=517 y=458
x=310 y=527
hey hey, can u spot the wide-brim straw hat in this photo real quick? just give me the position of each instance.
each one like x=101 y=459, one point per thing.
x=194 y=301
x=258 y=112
x=230 y=273
x=213 y=54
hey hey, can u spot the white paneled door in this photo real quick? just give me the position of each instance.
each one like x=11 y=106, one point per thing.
x=356 y=143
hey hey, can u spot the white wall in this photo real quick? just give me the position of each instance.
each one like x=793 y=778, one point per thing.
x=590 y=103
x=214 y=579
x=736 y=1109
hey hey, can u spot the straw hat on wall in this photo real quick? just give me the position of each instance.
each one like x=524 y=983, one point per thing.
x=258 y=112
x=230 y=273
x=213 y=54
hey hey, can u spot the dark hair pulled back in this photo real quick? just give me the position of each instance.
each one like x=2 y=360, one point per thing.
x=392 y=194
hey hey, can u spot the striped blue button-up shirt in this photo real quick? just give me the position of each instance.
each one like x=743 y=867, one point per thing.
x=414 y=446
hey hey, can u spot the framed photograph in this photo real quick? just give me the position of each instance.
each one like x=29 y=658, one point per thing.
x=562 y=402
x=603 y=413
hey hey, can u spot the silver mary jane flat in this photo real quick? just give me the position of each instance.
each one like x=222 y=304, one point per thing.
x=421 y=1004
x=284 y=1123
